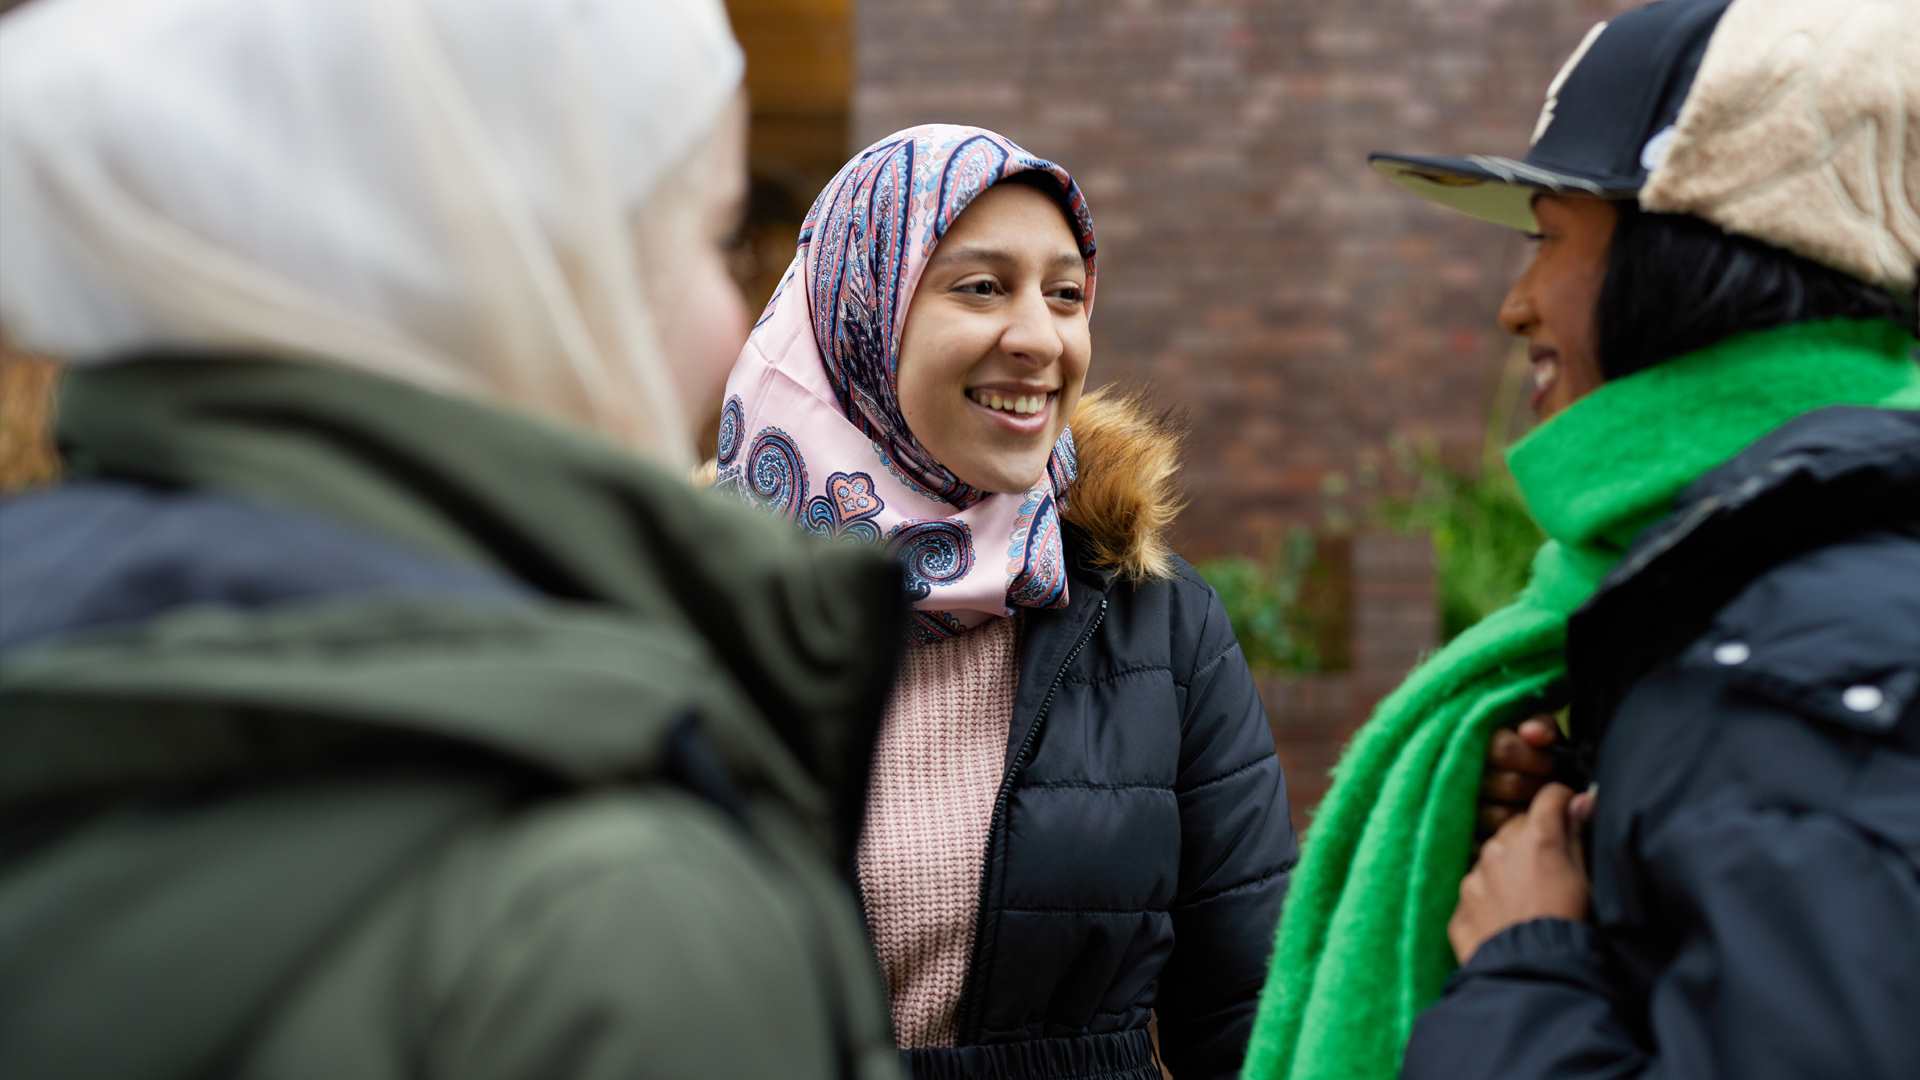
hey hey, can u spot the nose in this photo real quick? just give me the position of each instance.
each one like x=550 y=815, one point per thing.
x=1031 y=333
x=1517 y=315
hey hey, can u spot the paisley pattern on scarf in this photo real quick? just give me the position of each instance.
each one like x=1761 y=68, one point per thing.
x=933 y=553
x=1035 y=557
x=732 y=418
x=847 y=509
x=899 y=475
x=931 y=626
x=1063 y=468
x=974 y=165
x=773 y=302
x=818 y=382
x=776 y=474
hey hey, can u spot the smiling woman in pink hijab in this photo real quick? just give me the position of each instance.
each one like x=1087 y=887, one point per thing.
x=818 y=377
x=1076 y=820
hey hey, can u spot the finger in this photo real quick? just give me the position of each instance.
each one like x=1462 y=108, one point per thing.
x=1512 y=788
x=1503 y=746
x=1540 y=731
x=1580 y=810
x=1459 y=937
x=1492 y=816
x=1512 y=829
x=1473 y=890
x=1496 y=849
x=1547 y=817
x=1579 y=819
x=1511 y=752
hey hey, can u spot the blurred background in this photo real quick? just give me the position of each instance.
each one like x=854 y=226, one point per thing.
x=1330 y=341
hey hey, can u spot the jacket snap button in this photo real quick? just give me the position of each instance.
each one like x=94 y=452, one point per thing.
x=1863 y=699
x=1731 y=653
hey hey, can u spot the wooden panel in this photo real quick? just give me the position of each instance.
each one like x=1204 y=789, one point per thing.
x=26 y=420
x=799 y=53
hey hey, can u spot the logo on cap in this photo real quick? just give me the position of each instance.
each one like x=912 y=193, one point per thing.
x=1560 y=80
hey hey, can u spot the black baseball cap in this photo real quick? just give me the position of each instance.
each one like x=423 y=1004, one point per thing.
x=1608 y=117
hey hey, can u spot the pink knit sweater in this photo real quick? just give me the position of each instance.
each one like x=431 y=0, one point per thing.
x=936 y=769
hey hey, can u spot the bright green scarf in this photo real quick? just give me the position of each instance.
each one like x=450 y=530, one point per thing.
x=1363 y=947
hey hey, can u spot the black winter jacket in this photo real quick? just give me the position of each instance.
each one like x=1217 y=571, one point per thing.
x=1747 y=684
x=1140 y=843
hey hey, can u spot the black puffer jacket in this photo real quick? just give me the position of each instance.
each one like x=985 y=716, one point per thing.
x=1141 y=841
x=1748 y=684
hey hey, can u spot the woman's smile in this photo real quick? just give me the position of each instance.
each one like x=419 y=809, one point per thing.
x=1546 y=372
x=1020 y=410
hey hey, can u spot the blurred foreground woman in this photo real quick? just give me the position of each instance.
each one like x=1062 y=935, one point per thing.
x=378 y=699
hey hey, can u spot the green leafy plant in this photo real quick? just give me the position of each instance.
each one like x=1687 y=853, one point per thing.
x=1265 y=598
x=1483 y=538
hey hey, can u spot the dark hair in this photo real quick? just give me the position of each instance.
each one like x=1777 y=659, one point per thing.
x=1039 y=180
x=1676 y=283
x=1046 y=184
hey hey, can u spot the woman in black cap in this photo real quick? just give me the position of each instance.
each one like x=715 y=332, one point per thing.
x=1719 y=314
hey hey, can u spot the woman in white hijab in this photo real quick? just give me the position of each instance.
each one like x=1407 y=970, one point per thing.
x=379 y=699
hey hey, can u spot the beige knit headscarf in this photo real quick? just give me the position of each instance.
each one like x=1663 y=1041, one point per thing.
x=444 y=192
x=1802 y=129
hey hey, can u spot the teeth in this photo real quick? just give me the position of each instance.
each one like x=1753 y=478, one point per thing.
x=1022 y=405
x=1543 y=374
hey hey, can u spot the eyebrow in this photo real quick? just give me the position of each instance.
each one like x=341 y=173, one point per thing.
x=1063 y=260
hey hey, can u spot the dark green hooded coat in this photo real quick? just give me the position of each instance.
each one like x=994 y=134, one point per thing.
x=356 y=731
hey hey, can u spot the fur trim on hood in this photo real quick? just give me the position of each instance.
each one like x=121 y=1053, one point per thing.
x=1125 y=498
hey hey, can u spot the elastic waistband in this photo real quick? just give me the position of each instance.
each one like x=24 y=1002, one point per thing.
x=1120 y=1055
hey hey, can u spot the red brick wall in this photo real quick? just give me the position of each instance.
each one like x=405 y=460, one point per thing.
x=1302 y=309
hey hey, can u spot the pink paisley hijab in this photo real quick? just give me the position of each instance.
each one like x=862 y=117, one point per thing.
x=812 y=428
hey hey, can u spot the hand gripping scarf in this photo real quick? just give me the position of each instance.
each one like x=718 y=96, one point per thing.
x=812 y=428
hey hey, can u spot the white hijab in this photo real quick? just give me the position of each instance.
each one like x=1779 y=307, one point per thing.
x=441 y=191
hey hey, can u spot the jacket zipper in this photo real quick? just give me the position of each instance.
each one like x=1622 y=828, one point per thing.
x=969 y=997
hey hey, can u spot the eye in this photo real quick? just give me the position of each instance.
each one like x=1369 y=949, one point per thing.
x=1072 y=294
x=1535 y=238
x=978 y=287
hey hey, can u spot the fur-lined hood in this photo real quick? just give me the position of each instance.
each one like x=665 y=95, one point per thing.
x=1125 y=499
